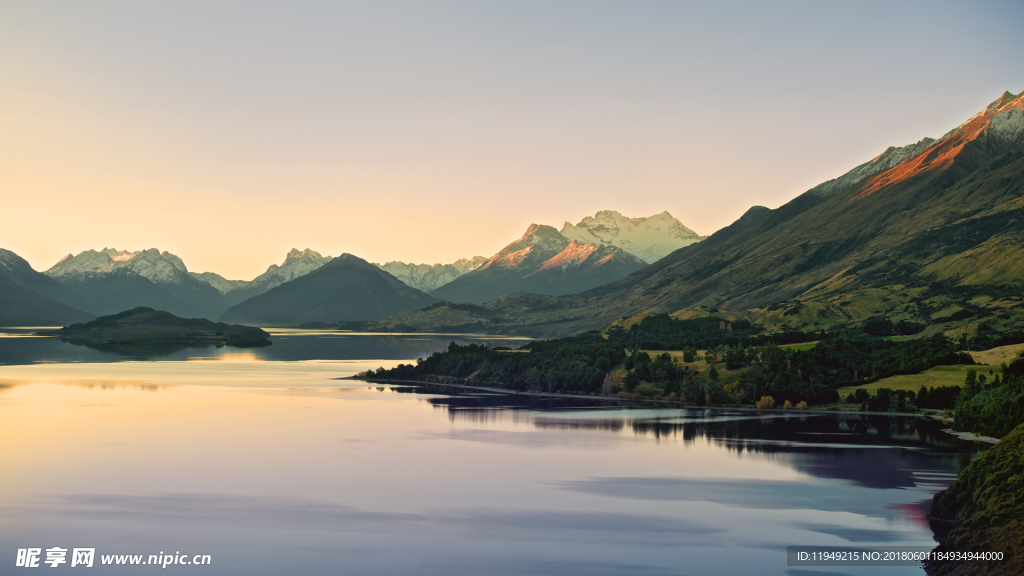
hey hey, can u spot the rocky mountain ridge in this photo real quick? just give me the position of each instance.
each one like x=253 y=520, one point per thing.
x=429 y=277
x=111 y=280
x=650 y=239
x=347 y=288
x=542 y=261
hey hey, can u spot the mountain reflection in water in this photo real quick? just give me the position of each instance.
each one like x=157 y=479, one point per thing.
x=277 y=467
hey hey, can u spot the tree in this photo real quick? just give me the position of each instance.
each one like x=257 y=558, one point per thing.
x=631 y=381
x=688 y=354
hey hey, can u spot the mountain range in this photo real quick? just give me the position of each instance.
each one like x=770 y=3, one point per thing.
x=429 y=277
x=110 y=281
x=932 y=232
x=295 y=264
x=344 y=289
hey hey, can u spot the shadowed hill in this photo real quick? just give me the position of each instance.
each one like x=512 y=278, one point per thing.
x=30 y=298
x=147 y=326
x=346 y=288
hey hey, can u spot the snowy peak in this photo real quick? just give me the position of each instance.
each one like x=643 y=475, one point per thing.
x=577 y=254
x=1001 y=102
x=159 y=267
x=466 y=264
x=295 y=264
x=220 y=283
x=998 y=124
x=86 y=262
x=542 y=261
x=295 y=254
x=538 y=244
x=539 y=234
x=429 y=277
x=649 y=239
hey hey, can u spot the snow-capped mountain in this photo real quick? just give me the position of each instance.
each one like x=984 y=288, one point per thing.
x=999 y=123
x=649 y=239
x=543 y=261
x=296 y=264
x=156 y=266
x=428 y=277
x=222 y=284
x=112 y=280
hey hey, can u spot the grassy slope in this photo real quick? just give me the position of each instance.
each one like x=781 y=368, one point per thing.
x=943 y=375
x=937 y=376
x=986 y=503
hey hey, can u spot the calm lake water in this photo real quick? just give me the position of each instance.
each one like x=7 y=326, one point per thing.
x=262 y=459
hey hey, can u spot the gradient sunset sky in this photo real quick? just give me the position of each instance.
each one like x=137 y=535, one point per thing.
x=230 y=132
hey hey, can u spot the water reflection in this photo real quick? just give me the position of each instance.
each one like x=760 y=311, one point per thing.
x=20 y=347
x=279 y=468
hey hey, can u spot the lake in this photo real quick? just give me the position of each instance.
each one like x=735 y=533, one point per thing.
x=264 y=460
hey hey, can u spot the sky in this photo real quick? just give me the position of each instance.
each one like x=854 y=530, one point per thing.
x=230 y=132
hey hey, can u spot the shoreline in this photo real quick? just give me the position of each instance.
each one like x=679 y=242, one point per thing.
x=794 y=411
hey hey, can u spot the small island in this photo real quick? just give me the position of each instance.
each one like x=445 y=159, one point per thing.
x=148 y=326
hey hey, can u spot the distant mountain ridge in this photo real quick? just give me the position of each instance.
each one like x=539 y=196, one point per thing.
x=111 y=280
x=347 y=288
x=649 y=239
x=542 y=261
x=296 y=263
x=30 y=298
x=428 y=277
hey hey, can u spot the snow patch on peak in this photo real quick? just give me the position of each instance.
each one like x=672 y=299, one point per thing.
x=295 y=264
x=1000 y=102
x=159 y=267
x=428 y=277
x=650 y=239
x=573 y=254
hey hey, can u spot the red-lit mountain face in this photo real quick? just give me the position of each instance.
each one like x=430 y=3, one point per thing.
x=995 y=126
x=543 y=261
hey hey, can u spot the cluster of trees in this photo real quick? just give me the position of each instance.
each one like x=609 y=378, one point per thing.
x=886 y=400
x=577 y=364
x=988 y=337
x=982 y=511
x=662 y=332
x=581 y=363
x=937 y=398
x=884 y=327
x=992 y=408
x=842 y=359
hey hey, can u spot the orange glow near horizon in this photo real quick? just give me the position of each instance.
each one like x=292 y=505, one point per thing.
x=427 y=135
